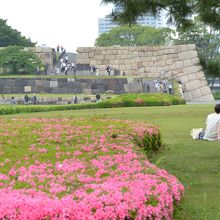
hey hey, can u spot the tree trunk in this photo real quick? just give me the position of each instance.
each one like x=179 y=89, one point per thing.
x=213 y=82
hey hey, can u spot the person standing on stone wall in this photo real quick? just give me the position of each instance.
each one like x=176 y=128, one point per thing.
x=66 y=70
x=63 y=65
x=26 y=99
x=170 y=88
x=148 y=88
x=108 y=69
x=46 y=69
x=13 y=100
x=58 y=48
x=3 y=99
x=72 y=66
x=66 y=59
x=34 y=99
x=41 y=70
x=75 y=99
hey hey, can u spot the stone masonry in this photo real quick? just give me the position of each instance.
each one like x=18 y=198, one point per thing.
x=74 y=85
x=45 y=54
x=179 y=62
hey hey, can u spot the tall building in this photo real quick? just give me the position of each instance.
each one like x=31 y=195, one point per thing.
x=106 y=24
x=159 y=20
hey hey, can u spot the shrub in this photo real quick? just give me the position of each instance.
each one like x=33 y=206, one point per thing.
x=133 y=100
x=16 y=60
x=126 y=100
x=65 y=168
x=148 y=139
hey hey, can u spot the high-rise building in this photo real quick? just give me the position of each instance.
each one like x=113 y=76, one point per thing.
x=106 y=24
x=157 y=21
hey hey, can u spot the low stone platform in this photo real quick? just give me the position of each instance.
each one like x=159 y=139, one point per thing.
x=107 y=85
x=52 y=100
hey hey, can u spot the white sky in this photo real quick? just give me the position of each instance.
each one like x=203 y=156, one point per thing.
x=71 y=23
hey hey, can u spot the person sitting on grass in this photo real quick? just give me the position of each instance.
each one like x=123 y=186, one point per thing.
x=212 y=125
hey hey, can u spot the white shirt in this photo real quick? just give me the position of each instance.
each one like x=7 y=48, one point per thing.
x=212 y=122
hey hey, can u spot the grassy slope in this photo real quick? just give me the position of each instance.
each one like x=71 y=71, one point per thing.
x=195 y=163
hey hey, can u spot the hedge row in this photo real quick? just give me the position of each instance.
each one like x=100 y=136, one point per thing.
x=125 y=100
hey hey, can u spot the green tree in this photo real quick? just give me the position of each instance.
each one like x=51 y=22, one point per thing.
x=178 y=10
x=9 y=36
x=135 y=35
x=213 y=69
x=15 y=60
x=206 y=39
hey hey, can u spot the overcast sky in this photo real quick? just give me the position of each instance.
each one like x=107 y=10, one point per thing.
x=71 y=23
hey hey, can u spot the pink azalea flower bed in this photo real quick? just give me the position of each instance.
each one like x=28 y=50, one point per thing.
x=78 y=169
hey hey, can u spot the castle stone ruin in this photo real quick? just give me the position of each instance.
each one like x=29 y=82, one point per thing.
x=45 y=54
x=179 y=62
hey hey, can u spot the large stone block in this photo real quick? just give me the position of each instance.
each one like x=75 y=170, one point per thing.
x=192 y=77
x=179 y=64
x=91 y=54
x=196 y=93
x=187 y=55
x=21 y=82
x=84 y=56
x=83 y=49
x=188 y=96
x=133 y=87
x=191 y=47
x=39 y=82
x=206 y=90
x=187 y=63
x=2 y=82
x=10 y=82
x=184 y=48
x=27 y=89
x=191 y=69
x=83 y=61
x=20 y=90
x=53 y=84
x=87 y=91
x=193 y=85
x=7 y=90
x=46 y=83
x=200 y=75
x=205 y=98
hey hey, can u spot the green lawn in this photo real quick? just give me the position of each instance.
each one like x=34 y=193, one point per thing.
x=195 y=163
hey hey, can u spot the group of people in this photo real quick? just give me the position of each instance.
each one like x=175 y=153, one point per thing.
x=27 y=100
x=42 y=70
x=30 y=100
x=160 y=85
x=60 y=49
x=65 y=66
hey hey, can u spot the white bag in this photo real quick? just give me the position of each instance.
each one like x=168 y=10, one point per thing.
x=195 y=133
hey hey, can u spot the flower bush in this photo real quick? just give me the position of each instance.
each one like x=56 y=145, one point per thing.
x=148 y=139
x=81 y=169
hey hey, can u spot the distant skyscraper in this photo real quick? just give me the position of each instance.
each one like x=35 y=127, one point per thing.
x=106 y=24
x=157 y=21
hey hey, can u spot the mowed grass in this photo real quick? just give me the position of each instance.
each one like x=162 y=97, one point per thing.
x=195 y=163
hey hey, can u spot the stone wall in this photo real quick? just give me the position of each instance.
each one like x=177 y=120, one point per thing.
x=52 y=100
x=45 y=54
x=178 y=62
x=75 y=85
